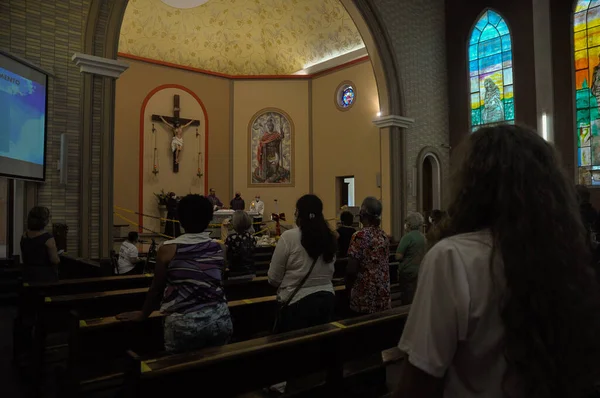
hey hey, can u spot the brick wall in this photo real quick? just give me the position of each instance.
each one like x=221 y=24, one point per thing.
x=417 y=32
x=47 y=33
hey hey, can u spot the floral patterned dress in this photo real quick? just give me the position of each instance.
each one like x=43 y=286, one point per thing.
x=371 y=291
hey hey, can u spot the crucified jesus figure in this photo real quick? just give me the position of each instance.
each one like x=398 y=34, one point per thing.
x=177 y=141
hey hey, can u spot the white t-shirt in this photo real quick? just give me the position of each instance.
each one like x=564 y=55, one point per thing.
x=290 y=263
x=127 y=257
x=454 y=329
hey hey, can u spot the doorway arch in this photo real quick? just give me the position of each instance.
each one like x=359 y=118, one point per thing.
x=429 y=196
x=101 y=38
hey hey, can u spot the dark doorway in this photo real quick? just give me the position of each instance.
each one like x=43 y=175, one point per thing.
x=427 y=182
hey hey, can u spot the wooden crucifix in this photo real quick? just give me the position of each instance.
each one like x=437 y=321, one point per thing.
x=176 y=124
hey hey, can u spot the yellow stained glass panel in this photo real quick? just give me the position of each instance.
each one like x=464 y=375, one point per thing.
x=594 y=37
x=580 y=40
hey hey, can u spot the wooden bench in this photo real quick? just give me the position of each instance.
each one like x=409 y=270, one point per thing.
x=257 y=363
x=71 y=268
x=95 y=345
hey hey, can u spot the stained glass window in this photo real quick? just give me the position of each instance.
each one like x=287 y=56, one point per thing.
x=345 y=95
x=586 y=38
x=348 y=96
x=491 y=72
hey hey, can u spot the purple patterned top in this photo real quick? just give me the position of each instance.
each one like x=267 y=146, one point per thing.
x=194 y=275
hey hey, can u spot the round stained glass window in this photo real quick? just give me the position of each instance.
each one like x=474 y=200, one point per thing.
x=348 y=96
x=345 y=96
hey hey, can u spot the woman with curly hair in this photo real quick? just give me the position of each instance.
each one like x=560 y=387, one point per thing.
x=506 y=303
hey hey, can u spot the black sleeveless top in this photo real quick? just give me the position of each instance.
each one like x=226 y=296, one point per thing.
x=34 y=250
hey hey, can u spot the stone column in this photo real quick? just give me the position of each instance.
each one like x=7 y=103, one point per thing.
x=393 y=167
x=96 y=199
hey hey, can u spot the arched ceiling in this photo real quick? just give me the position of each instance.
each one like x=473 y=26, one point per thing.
x=240 y=37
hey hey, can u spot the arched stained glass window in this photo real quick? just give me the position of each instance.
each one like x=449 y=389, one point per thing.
x=491 y=72
x=586 y=36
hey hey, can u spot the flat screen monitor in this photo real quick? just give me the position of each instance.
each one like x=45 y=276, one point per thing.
x=23 y=109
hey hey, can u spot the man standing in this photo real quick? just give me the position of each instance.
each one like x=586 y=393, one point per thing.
x=259 y=207
x=238 y=203
x=214 y=200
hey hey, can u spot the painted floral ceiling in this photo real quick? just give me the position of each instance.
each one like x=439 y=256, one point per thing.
x=240 y=37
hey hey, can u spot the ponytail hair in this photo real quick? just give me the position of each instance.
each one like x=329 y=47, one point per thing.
x=317 y=238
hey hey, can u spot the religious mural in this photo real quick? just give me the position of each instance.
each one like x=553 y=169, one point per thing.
x=490 y=71
x=586 y=37
x=271 y=135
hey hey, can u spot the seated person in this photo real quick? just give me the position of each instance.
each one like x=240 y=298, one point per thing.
x=410 y=252
x=240 y=248
x=128 y=255
x=345 y=232
x=38 y=248
x=189 y=273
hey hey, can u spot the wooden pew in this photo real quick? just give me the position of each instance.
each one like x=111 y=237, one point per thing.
x=96 y=344
x=71 y=268
x=261 y=362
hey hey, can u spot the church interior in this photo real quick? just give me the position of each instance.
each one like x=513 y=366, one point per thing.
x=115 y=112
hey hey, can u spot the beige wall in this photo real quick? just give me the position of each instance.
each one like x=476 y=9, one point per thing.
x=132 y=88
x=346 y=143
x=291 y=97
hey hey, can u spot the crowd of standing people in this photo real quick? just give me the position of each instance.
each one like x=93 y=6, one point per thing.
x=504 y=300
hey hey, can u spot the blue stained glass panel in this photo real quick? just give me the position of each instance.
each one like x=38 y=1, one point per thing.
x=490 y=47
x=474 y=68
x=490 y=70
x=506 y=43
x=502 y=28
x=493 y=17
x=490 y=64
x=483 y=21
x=475 y=36
x=489 y=33
x=473 y=51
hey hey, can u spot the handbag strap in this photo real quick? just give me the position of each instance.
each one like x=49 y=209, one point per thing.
x=302 y=282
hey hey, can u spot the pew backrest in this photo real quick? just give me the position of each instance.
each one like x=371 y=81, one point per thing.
x=264 y=361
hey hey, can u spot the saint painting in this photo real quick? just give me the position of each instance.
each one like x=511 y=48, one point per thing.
x=271 y=148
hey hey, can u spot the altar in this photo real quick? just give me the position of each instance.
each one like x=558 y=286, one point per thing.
x=221 y=215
